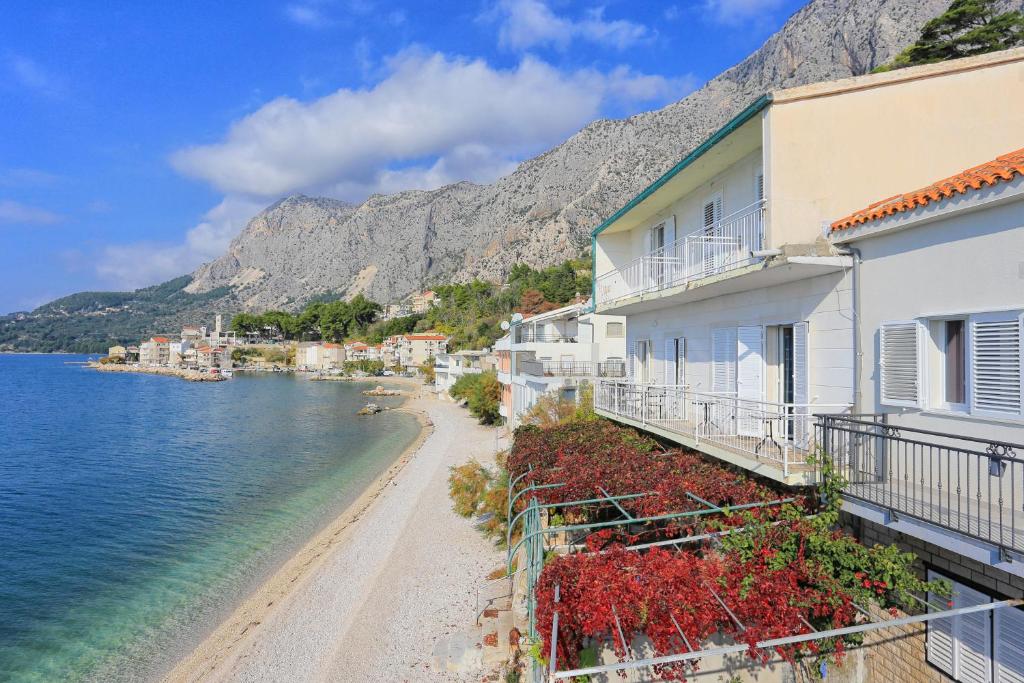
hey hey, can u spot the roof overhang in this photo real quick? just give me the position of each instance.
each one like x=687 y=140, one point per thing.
x=974 y=200
x=733 y=141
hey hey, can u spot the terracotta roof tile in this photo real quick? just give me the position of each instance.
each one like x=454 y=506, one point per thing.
x=1001 y=169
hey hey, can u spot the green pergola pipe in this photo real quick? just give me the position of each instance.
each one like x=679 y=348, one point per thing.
x=570 y=503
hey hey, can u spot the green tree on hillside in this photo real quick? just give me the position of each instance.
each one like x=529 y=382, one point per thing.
x=968 y=27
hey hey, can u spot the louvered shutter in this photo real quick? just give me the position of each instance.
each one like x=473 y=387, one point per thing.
x=900 y=363
x=749 y=379
x=681 y=361
x=631 y=362
x=723 y=360
x=996 y=365
x=670 y=361
x=1009 y=645
x=974 y=637
x=801 y=386
x=759 y=185
x=940 y=645
x=670 y=230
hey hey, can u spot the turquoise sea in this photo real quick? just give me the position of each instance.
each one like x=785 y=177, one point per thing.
x=136 y=511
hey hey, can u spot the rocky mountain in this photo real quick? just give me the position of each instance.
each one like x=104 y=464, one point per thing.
x=542 y=213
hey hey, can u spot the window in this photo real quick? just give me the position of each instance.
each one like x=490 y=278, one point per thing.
x=712 y=212
x=978 y=647
x=954 y=363
x=615 y=330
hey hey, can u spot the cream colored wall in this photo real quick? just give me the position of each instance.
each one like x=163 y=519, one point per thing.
x=824 y=302
x=970 y=262
x=835 y=154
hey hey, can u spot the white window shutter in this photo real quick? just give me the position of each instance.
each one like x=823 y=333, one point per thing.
x=900 y=361
x=670 y=361
x=1009 y=645
x=940 y=646
x=759 y=185
x=801 y=385
x=723 y=360
x=749 y=379
x=974 y=637
x=631 y=362
x=996 y=365
x=681 y=361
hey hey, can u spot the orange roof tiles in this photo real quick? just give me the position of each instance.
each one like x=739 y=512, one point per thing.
x=160 y=340
x=1001 y=169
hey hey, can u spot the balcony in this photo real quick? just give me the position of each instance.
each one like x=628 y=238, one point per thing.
x=727 y=245
x=527 y=335
x=772 y=439
x=969 y=486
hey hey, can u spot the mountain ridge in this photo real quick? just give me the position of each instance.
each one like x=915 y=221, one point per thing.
x=389 y=245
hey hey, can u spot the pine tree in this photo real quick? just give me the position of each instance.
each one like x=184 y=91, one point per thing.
x=968 y=27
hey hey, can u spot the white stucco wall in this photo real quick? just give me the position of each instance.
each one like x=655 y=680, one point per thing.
x=824 y=302
x=963 y=262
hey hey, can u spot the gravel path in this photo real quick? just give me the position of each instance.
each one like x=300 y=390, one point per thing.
x=405 y=576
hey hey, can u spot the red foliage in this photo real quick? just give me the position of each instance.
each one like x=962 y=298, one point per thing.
x=647 y=590
x=586 y=455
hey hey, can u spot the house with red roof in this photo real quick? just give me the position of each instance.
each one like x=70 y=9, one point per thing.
x=415 y=349
x=934 y=459
x=155 y=351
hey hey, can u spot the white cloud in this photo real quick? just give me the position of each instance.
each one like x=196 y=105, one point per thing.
x=16 y=213
x=129 y=266
x=27 y=177
x=307 y=14
x=33 y=76
x=528 y=23
x=738 y=11
x=427 y=107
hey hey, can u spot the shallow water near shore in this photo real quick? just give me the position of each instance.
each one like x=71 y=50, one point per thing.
x=136 y=511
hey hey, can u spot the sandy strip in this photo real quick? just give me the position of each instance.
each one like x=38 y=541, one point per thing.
x=368 y=601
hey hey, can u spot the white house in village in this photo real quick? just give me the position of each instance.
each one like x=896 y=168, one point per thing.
x=761 y=329
x=449 y=367
x=555 y=352
x=319 y=355
x=415 y=349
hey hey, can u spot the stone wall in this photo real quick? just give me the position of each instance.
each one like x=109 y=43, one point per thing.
x=898 y=654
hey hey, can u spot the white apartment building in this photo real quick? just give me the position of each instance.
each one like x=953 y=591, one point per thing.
x=761 y=329
x=555 y=352
x=415 y=349
x=155 y=351
x=934 y=458
x=740 y=312
x=318 y=356
x=449 y=367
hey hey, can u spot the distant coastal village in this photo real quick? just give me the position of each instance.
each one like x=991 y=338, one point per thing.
x=217 y=351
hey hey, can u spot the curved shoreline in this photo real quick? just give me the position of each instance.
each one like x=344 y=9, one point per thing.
x=220 y=645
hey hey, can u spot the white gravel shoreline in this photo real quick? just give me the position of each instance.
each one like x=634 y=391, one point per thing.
x=404 y=576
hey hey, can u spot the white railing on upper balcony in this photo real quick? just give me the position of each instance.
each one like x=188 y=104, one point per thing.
x=780 y=433
x=718 y=248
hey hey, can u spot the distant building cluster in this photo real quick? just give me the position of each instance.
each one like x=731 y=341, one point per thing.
x=194 y=348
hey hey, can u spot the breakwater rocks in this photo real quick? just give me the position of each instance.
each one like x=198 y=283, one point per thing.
x=381 y=391
x=181 y=373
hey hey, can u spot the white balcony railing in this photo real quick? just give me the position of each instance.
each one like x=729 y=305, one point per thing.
x=716 y=249
x=780 y=433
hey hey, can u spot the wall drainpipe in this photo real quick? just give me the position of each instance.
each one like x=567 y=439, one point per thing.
x=857 y=351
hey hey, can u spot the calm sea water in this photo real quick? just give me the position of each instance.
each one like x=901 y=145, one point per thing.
x=136 y=510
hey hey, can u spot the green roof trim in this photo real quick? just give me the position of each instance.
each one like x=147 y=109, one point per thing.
x=737 y=121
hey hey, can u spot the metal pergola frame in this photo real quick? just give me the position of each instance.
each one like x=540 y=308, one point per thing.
x=632 y=664
x=534 y=533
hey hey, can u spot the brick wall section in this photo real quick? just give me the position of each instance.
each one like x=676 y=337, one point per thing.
x=898 y=654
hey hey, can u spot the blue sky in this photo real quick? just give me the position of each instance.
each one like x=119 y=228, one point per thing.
x=137 y=138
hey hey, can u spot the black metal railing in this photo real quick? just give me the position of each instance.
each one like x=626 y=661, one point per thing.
x=972 y=486
x=611 y=369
